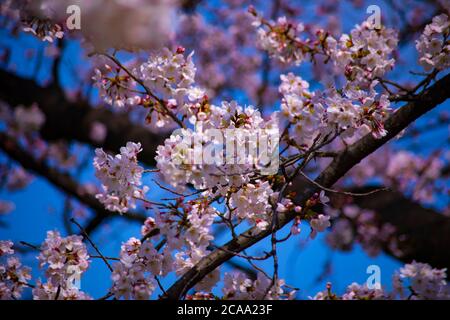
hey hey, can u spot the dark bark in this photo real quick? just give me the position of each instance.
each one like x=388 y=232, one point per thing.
x=423 y=234
x=72 y=121
x=62 y=181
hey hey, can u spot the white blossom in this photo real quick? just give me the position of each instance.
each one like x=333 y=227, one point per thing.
x=120 y=177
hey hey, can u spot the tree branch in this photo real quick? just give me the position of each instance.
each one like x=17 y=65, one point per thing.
x=62 y=181
x=340 y=165
x=73 y=120
x=424 y=234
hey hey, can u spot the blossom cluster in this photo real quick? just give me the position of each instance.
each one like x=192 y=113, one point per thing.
x=252 y=203
x=416 y=281
x=365 y=54
x=352 y=112
x=18 y=178
x=186 y=241
x=22 y=120
x=192 y=241
x=178 y=163
x=200 y=295
x=35 y=17
x=6 y=207
x=411 y=173
x=167 y=77
x=433 y=45
x=123 y=25
x=176 y=158
x=28 y=119
x=362 y=56
x=358 y=112
x=224 y=53
x=354 y=291
x=238 y=287
x=120 y=177
x=170 y=74
x=132 y=276
x=43 y=29
x=114 y=86
x=299 y=107
x=423 y=282
x=13 y=276
x=319 y=224
x=281 y=39
x=63 y=258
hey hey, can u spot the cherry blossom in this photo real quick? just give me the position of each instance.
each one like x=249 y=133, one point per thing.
x=29 y=119
x=215 y=202
x=272 y=39
x=170 y=74
x=114 y=88
x=423 y=281
x=419 y=279
x=123 y=25
x=319 y=224
x=251 y=202
x=350 y=110
x=354 y=291
x=121 y=178
x=63 y=258
x=6 y=207
x=18 y=179
x=238 y=287
x=433 y=46
x=404 y=170
x=47 y=291
x=13 y=276
x=6 y=248
x=178 y=163
x=44 y=29
x=132 y=275
x=364 y=54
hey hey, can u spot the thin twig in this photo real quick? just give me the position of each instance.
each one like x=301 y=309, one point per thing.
x=108 y=258
x=348 y=193
x=92 y=243
x=29 y=245
x=140 y=82
x=160 y=284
